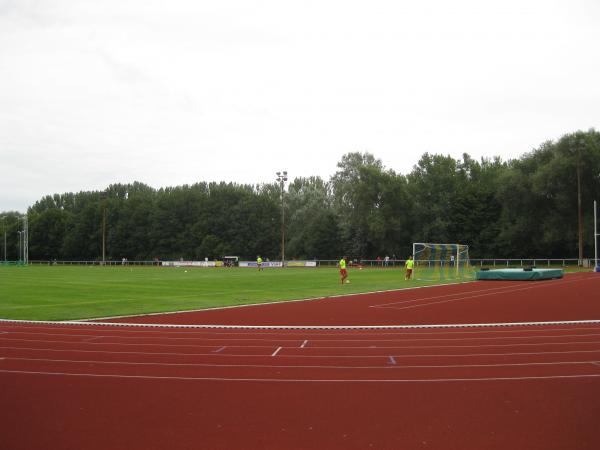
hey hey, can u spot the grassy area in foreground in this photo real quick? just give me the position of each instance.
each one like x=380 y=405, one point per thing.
x=79 y=292
x=82 y=292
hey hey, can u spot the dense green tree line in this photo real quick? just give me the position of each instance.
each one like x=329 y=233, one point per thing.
x=525 y=207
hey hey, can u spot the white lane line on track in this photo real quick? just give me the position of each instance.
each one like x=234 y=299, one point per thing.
x=276 y=351
x=324 y=347
x=467 y=295
x=363 y=334
x=241 y=355
x=392 y=361
x=283 y=380
x=304 y=344
x=494 y=290
x=219 y=350
x=282 y=302
x=461 y=298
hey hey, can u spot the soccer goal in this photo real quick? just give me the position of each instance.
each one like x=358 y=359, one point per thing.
x=439 y=262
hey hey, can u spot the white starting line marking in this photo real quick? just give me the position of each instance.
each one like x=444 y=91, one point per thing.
x=392 y=360
x=304 y=344
x=276 y=351
x=219 y=350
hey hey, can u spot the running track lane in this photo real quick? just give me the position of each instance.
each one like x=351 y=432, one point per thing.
x=101 y=387
x=574 y=297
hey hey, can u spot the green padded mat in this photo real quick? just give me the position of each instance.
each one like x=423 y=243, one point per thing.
x=519 y=274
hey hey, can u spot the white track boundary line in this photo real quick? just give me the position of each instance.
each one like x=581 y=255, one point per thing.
x=463 y=296
x=367 y=345
x=498 y=289
x=351 y=294
x=16 y=328
x=304 y=327
x=295 y=356
x=390 y=361
x=300 y=380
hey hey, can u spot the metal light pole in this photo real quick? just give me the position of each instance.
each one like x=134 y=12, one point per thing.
x=25 y=240
x=595 y=239
x=579 y=214
x=4 y=227
x=103 y=196
x=282 y=178
x=19 y=232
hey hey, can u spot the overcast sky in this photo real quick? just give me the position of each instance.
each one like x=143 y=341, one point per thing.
x=176 y=91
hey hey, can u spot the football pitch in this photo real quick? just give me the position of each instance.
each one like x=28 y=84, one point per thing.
x=86 y=292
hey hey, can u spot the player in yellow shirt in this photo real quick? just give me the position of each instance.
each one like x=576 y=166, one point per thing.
x=343 y=271
x=259 y=262
x=409 y=267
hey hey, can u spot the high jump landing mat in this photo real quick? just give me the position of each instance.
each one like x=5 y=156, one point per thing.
x=519 y=274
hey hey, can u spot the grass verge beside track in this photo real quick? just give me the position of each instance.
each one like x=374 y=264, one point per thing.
x=80 y=292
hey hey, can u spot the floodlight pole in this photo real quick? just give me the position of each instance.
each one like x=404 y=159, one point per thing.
x=595 y=237
x=103 y=196
x=579 y=215
x=4 y=227
x=19 y=233
x=25 y=240
x=282 y=178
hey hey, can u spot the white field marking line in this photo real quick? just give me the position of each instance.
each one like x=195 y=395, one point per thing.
x=278 y=302
x=293 y=356
x=276 y=351
x=516 y=344
x=392 y=361
x=90 y=339
x=308 y=327
x=219 y=350
x=466 y=297
x=300 y=380
x=597 y=363
x=304 y=344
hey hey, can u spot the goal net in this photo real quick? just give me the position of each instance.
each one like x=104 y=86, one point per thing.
x=439 y=262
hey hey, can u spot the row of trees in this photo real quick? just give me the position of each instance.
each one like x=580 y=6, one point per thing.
x=525 y=207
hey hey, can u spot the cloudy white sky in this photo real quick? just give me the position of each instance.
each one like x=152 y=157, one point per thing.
x=176 y=91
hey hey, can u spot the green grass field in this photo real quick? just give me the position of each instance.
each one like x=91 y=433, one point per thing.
x=83 y=292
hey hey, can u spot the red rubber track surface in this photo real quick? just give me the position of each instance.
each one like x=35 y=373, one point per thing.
x=116 y=387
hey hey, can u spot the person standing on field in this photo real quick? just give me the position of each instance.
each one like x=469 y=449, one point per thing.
x=259 y=262
x=409 y=267
x=343 y=271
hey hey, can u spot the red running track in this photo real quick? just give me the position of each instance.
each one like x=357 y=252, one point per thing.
x=123 y=387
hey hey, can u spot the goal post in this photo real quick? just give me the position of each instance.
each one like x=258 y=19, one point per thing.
x=439 y=262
